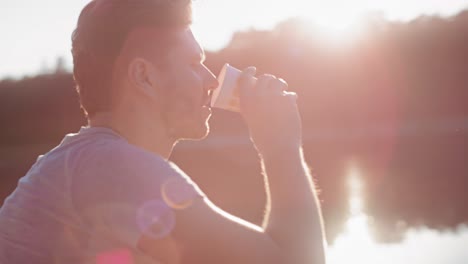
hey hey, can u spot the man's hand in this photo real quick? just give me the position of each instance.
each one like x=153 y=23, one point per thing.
x=270 y=112
x=292 y=230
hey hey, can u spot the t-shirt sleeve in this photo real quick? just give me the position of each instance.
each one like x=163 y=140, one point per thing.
x=125 y=192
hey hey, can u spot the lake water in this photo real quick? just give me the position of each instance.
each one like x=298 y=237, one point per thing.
x=418 y=246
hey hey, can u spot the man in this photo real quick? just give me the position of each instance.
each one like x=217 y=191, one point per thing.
x=108 y=194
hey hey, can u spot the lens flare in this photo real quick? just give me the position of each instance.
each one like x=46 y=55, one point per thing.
x=178 y=193
x=155 y=219
x=118 y=256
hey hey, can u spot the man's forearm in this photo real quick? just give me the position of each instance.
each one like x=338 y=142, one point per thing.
x=294 y=219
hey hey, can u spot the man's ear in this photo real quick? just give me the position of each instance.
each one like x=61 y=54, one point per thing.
x=143 y=75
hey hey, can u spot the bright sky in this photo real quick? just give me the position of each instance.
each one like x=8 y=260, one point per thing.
x=34 y=33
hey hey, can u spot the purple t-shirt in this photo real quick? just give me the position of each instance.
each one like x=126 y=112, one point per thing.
x=89 y=200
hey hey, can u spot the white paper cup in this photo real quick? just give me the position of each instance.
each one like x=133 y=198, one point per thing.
x=226 y=95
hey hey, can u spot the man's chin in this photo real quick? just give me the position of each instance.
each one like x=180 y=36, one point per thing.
x=202 y=133
x=196 y=129
x=196 y=134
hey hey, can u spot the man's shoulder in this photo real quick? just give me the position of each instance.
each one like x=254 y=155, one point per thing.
x=116 y=171
x=117 y=154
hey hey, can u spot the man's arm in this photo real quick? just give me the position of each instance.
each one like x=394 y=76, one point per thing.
x=294 y=221
x=292 y=230
x=206 y=234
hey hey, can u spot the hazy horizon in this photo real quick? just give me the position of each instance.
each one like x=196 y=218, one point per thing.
x=36 y=33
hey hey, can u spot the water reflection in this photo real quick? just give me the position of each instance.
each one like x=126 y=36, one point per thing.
x=355 y=244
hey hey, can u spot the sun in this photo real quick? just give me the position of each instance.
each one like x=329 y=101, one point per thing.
x=336 y=26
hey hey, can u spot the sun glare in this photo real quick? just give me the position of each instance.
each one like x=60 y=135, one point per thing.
x=355 y=242
x=336 y=27
x=356 y=245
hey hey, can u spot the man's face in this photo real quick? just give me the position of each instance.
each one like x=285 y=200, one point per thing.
x=187 y=86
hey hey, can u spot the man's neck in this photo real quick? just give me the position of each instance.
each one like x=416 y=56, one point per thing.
x=146 y=134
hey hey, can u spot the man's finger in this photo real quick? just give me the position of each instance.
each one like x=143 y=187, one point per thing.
x=246 y=80
x=264 y=82
x=246 y=74
x=285 y=85
x=278 y=85
x=290 y=95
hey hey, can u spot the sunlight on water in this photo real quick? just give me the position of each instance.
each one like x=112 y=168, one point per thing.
x=355 y=244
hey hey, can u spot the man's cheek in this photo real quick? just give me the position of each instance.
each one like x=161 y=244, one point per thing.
x=180 y=105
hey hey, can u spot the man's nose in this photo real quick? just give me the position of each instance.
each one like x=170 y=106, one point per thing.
x=211 y=81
